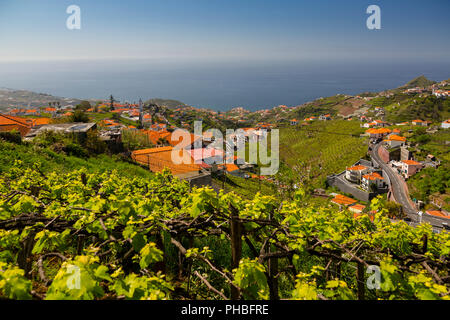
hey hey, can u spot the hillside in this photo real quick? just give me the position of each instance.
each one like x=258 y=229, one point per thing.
x=169 y=103
x=332 y=146
x=420 y=81
x=10 y=98
x=48 y=160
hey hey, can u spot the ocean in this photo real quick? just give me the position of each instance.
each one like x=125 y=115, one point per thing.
x=218 y=85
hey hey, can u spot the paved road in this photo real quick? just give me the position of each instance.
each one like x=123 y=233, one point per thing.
x=402 y=196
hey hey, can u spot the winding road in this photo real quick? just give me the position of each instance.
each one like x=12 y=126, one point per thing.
x=401 y=195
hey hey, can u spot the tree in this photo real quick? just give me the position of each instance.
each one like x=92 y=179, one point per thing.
x=83 y=106
x=111 y=103
x=79 y=116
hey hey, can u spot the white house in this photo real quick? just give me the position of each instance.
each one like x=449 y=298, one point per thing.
x=445 y=124
x=394 y=140
x=355 y=173
x=370 y=179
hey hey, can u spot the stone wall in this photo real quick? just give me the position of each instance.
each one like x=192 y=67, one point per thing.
x=336 y=181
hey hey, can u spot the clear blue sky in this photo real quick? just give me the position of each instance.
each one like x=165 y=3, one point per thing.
x=224 y=29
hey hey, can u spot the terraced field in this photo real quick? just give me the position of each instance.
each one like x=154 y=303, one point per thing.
x=320 y=149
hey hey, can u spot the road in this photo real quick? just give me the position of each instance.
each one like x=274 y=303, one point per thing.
x=401 y=195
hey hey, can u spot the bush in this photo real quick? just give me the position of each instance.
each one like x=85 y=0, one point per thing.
x=79 y=116
x=11 y=136
x=76 y=150
x=93 y=143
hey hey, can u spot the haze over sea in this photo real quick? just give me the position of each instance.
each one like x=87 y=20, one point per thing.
x=212 y=84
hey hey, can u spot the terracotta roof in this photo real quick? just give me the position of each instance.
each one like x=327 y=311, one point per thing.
x=204 y=153
x=7 y=120
x=437 y=213
x=395 y=137
x=158 y=159
x=372 y=176
x=357 y=207
x=357 y=168
x=10 y=123
x=154 y=136
x=41 y=121
x=411 y=162
x=340 y=199
x=378 y=131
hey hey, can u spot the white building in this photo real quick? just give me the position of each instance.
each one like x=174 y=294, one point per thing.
x=445 y=124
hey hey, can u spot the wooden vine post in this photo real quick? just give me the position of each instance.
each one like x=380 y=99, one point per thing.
x=273 y=271
x=360 y=280
x=236 y=247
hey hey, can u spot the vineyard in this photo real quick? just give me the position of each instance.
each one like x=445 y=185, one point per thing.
x=81 y=235
x=331 y=147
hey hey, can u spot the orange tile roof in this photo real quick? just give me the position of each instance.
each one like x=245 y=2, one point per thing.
x=184 y=143
x=10 y=123
x=378 y=131
x=6 y=119
x=340 y=199
x=357 y=207
x=158 y=159
x=395 y=137
x=231 y=167
x=357 y=168
x=411 y=162
x=41 y=121
x=372 y=176
x=154 y=136
x=437 y=213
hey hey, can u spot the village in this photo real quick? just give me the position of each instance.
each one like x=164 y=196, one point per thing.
x=390 y=156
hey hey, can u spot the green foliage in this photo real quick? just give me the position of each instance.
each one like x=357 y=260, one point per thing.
x=79 y=116
x=430 y=181
x=135 y=140
x=11 y=136
x=83 y=106
x=331 y=148
x=250 y=277
x=13 y=284
x=112 y=235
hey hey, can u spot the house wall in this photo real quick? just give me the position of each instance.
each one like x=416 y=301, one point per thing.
x=201 y=180
x=337 y=182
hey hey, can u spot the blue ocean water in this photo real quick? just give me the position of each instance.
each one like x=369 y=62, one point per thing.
x=212 y=84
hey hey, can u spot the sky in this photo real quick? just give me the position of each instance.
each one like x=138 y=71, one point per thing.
x=219 y=30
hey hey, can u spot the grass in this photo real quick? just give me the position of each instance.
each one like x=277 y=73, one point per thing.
x=246 y=188
x=49 y=160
